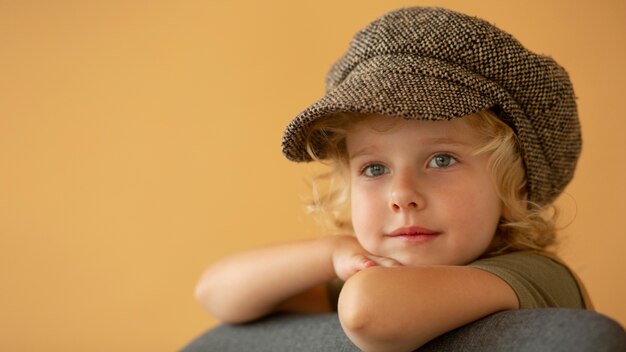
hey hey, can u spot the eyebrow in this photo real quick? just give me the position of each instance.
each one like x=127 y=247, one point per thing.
x=446 y=141
x=361 y=151
x=427 y=141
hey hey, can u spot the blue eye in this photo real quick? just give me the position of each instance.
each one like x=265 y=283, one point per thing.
x=374 y=170
x=441 y=161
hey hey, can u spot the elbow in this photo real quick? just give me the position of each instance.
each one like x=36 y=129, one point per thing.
x=354 y=306
x=202 y=294
x=358 y=312
x=211 y=296
x=207 y=295
x=370 y=316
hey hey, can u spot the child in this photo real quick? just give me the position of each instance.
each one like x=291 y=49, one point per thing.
x=452 y=141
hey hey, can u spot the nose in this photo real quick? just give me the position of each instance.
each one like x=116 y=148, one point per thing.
x=404 y=194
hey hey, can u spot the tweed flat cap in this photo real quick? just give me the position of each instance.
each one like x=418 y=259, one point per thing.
x=436 y=64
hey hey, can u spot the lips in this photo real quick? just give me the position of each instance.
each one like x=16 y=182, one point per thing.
x=413 y=234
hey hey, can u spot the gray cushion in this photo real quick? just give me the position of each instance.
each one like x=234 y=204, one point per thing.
x=531 y=330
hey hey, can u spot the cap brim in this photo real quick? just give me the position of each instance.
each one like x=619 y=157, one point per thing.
x=432 y=90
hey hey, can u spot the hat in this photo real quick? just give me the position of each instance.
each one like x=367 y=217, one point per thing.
x=424 y=63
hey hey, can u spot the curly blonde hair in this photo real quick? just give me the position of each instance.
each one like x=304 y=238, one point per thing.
x=523 y=226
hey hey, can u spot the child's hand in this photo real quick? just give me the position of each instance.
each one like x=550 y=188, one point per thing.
x=349 y=258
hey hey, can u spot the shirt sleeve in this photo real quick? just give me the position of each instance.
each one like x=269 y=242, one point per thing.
x=538 y=281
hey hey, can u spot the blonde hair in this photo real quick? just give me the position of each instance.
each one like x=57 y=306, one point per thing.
x=524 y=225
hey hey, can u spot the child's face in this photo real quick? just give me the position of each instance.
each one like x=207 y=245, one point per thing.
x=419 y=195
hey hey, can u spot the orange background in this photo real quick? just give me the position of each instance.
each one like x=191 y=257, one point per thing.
x=140 y=141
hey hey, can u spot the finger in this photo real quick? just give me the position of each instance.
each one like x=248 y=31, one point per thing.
x=362 y=262
x=385 y=261
x=353 y=265
x=370 y=263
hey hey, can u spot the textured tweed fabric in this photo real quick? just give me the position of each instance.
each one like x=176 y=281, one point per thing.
x=437 y=64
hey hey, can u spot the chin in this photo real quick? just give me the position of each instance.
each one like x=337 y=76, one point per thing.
x=414 y=261
x=420 y=261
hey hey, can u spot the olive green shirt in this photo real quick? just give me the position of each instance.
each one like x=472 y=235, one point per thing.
x=539 y=281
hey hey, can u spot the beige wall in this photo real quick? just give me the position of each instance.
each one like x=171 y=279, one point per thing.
x=139 y=141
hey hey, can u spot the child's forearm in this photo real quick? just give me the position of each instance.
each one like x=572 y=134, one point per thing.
x=248 y=285
x=400 y=309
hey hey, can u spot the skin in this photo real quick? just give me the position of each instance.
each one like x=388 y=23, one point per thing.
x=422 y=206
x=421 y=176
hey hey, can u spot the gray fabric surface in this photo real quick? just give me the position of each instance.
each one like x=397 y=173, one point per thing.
x=528 y=330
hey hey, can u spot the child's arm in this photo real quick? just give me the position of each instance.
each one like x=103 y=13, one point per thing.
x=249 y=285
x=400 y=309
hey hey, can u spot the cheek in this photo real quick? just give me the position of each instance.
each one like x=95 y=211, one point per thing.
x=360 y=209
x=365 y=205
x=476 y=207
x=483 y=210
